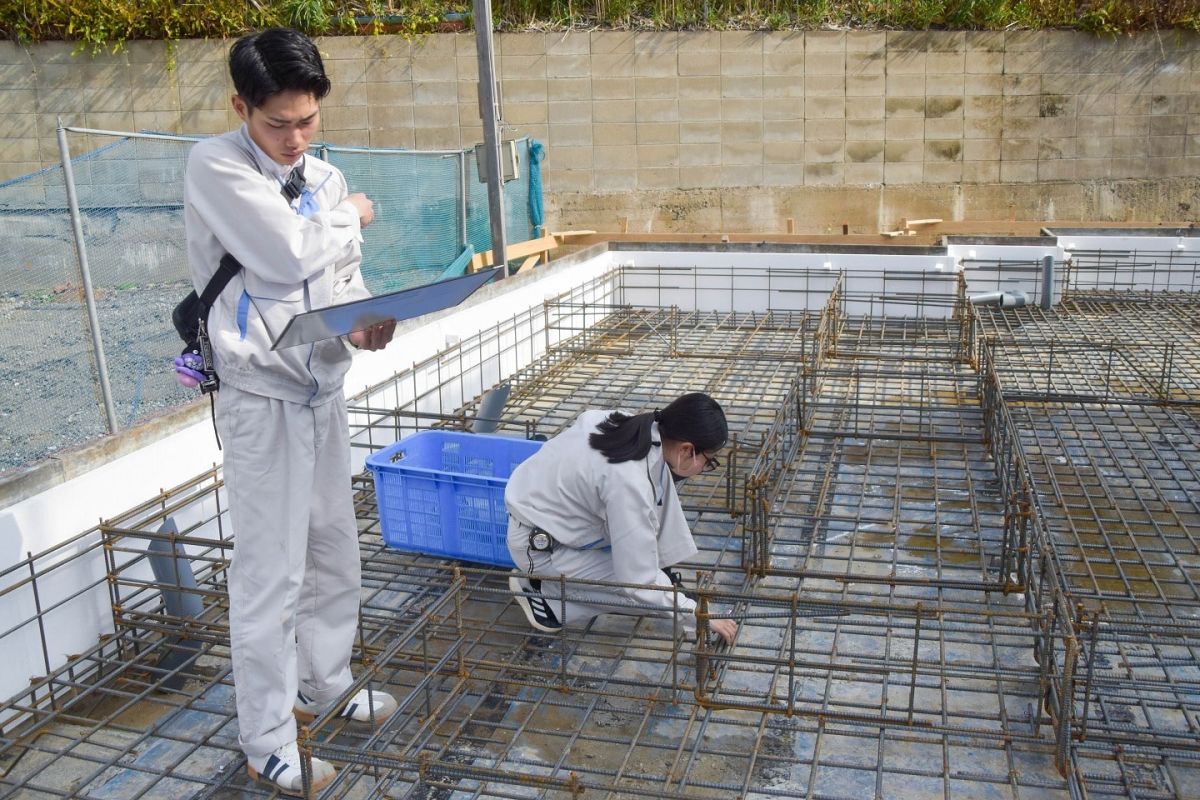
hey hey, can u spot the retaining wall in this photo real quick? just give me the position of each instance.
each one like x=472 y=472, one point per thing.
x=715 y=130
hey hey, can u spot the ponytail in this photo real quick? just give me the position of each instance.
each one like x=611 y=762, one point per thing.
x=694 y=418
x=621 y=437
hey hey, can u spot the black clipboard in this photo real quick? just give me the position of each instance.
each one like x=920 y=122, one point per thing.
x=339 y=320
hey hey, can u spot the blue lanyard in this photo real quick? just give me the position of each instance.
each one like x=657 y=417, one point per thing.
x=308 y=205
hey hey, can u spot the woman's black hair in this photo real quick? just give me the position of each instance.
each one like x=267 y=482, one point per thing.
x=276 y=60
x=694 y=418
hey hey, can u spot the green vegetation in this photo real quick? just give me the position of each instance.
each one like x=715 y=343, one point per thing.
x=110 y=23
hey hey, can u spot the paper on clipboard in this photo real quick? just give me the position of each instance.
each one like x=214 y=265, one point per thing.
x=325 y=323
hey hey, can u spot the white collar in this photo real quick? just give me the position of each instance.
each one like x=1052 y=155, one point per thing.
x=266 y=164
x=657 y=468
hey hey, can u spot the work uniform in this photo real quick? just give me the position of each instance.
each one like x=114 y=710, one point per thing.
x=610 y=522
x=295 y=574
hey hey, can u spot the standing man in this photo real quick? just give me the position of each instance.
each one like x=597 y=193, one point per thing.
x=291 y=222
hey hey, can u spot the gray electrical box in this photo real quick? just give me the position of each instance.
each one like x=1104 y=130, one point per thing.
x=510 y=162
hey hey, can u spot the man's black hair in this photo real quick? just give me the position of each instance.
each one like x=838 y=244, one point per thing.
x=694 y=418
x=276 y=60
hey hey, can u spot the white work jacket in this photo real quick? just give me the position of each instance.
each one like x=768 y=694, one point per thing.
x=292 y=262
x=571 y=491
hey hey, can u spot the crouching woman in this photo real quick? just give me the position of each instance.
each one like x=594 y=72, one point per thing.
x=598 y=503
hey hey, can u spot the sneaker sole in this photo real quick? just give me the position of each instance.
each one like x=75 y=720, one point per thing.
x=304 y=718
x=315 y=787
x=514 y=586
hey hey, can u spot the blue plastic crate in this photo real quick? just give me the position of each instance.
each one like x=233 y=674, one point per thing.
x=442 y=493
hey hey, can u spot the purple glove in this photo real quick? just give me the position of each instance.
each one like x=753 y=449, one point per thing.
x=187 y=370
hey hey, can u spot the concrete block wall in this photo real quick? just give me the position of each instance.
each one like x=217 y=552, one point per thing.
x=714 y=130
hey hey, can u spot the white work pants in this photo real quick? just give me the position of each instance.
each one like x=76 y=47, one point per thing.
x=295 y=573
x=583 y=602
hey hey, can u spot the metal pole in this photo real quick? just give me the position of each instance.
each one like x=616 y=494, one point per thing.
x=85 y=276
x=463 y=188
x=482 y=17
x=1047 y=282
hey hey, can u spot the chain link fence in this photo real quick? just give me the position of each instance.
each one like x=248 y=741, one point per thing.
x=429 y=207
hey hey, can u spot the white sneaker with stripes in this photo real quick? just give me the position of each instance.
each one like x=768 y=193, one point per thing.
x=281 y=769
x=538 y=610
x=364 y=706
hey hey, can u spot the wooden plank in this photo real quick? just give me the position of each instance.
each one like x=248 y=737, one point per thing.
x=565 y=236
x=752 y=238
x=528 y=263
x=515 y=251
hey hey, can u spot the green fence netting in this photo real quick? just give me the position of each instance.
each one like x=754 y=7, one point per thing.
x=129 y=187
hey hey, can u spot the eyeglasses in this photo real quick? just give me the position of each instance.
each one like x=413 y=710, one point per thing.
x=710 y=463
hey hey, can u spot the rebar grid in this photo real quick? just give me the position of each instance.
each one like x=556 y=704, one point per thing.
x=445 y=388
x=1130 y=275
x=865 y=684
x=1122 y=772
x=477 y=677
x=1093 y=349
x=600 y=711
x=1118 y=485
x=764 y=669
x=1114 y=468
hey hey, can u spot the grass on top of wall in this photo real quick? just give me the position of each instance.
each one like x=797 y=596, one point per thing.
x=102 y=24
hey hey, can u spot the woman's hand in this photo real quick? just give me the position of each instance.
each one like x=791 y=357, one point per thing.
x=725 y=628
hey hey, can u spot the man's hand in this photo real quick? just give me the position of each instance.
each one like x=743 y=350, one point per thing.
x=366 y=210
x=725 y=628
x=375 y=337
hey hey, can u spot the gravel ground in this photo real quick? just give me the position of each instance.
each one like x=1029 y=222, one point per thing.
x=50 y=395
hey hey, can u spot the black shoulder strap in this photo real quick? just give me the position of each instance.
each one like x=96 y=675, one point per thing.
x=228 y=267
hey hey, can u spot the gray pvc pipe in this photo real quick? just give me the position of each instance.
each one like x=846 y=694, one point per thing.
x=490 y=406
x=173 y=572
x=1047 y=282
x=1014 y=299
